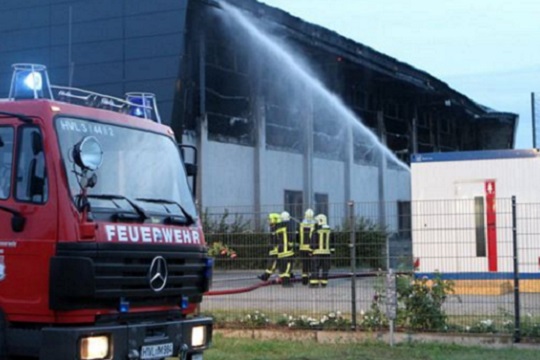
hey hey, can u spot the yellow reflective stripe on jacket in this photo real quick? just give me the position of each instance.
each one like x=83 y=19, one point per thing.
x=324 y=242
x=281 y=233
x=285 y=254
x=305 y=228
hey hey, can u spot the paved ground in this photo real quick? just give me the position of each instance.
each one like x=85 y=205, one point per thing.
x=337 y=296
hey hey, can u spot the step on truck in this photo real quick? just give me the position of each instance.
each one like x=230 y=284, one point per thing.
x=102 y=255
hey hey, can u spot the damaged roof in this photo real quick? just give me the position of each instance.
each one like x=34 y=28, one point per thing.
x=365 y=56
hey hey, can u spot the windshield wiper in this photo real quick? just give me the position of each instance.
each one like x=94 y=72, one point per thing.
x=171 y=219
x=122 y=215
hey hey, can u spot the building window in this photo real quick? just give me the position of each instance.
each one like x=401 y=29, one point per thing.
x=6 y=159
x=479 y=216
x=284 y=131
x=294 y=203
x=227 y=91
x=321 y=204
x=404 y=219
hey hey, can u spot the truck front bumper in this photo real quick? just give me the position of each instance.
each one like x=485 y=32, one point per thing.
x=149 y=340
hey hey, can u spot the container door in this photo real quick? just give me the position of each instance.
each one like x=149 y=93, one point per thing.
x=476 y=224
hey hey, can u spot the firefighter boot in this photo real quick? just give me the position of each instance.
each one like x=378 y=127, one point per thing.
x=264 y=277
x=286 y=282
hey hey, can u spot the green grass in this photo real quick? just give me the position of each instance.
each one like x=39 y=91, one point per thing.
x=250 y=349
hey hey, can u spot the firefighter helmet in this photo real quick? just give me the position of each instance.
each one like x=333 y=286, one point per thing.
x=321 y=219
x=308 y=215
x=274 y=218
x=285 y=216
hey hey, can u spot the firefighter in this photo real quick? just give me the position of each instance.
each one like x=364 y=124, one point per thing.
x=285 y=234
x=321 y=250
x=304 y=241
x=273 y=220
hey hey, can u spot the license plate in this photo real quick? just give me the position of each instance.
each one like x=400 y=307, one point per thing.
x=156 y=351
x=196 y=357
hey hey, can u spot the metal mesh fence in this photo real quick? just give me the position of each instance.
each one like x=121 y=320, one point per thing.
x=461 y=265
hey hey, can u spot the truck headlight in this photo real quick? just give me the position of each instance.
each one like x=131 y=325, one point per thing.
x=94 y=347
x=198 y=336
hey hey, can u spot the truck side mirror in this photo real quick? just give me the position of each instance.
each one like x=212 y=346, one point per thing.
x=17 y=219
x=191 y=167
x=17 y=223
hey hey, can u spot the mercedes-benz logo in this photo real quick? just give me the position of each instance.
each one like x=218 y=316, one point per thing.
x=157 y=274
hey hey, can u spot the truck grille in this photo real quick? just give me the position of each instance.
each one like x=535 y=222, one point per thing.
x=100 y=275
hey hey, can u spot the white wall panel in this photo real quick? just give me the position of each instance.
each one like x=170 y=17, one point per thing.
x=328 y=178
x=227 y=175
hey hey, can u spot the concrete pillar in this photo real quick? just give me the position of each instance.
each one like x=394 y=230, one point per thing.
x=308 y=153
x=382 y=169
x=259 y=114
x=414 y=131
x=202 y=145
x=258 y=110
x=348 y=166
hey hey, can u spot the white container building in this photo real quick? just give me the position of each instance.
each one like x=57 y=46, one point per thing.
x=462 y=218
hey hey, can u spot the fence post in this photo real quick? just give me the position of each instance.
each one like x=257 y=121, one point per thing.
x=352 y=245
x=517 y=323
x=391 y=301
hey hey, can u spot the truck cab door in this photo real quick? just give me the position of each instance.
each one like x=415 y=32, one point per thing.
x=25 y=193
x=7 y=138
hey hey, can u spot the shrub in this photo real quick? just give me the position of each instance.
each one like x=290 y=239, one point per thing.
x=255 y=319
x=421 y=301
x=251 y=250
x=483 y=326
x=333 y=320
x=219 y=250
x=375 y=319
x=370 y=240
x=224 y=224
x=420 y=304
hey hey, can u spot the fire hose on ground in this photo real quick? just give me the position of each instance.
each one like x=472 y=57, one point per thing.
x=277 y=281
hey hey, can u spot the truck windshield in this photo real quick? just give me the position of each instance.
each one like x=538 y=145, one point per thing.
x=137 y=164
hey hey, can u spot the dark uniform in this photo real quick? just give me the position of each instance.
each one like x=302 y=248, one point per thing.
x=320 y=259
x=285 y=237
x=304 y=240
x=273 y=220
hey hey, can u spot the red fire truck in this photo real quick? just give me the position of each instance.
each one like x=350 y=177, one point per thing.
x=102 y=255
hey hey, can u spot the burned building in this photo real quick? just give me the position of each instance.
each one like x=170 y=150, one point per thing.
x=282 y=111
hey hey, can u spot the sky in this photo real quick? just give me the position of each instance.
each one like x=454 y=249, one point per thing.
x=488 y=50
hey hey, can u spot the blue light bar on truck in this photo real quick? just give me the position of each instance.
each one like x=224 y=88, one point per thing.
x=143 y=105
x=209 y=268
x=184 y=303
x=123 y=306
x=208 y=272
x=30 y=81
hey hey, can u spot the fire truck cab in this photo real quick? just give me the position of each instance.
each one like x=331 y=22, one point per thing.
x=102 y=255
